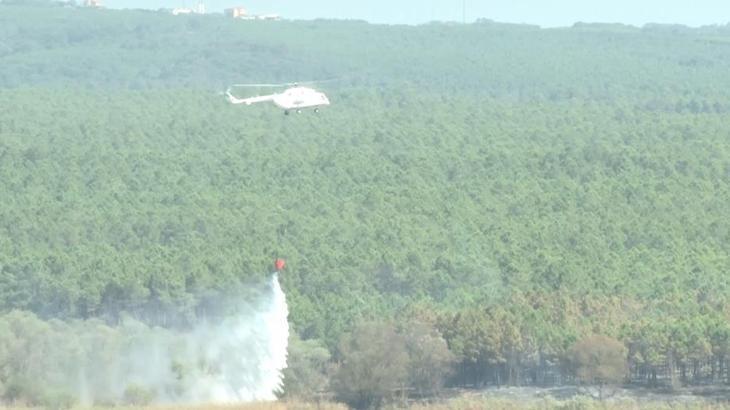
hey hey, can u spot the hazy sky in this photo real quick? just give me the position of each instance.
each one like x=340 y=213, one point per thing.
x=547 y=13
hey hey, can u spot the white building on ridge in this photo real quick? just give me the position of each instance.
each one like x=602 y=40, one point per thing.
x=198 y=9
x=242 y=14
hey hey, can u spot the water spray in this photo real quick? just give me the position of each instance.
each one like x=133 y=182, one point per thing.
x=236 y=356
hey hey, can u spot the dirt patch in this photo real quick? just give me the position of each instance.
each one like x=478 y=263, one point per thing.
x=696 y=395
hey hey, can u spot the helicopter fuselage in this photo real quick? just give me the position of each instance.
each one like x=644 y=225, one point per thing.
x=294 y=98
x=300 y=97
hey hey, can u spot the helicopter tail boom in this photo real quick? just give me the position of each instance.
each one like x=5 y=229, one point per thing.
x=254 y=100
x=249 y=101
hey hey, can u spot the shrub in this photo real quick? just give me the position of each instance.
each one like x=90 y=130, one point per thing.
x=135 y=395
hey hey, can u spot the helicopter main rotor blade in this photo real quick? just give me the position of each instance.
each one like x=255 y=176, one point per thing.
x=269 y=85
x=261 y=85
x=328 y=80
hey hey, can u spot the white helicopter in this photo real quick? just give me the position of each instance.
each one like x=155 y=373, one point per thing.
x=294 y=98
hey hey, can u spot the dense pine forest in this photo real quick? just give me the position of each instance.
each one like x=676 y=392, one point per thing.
x=503 y=192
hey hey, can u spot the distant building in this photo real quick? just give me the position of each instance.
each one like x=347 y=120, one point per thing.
x=269 y=17
x=199 y=9
x=93 y=3
x=242 y=14
x=236 y=12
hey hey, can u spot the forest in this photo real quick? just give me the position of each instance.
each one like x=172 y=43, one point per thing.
x=479 y=202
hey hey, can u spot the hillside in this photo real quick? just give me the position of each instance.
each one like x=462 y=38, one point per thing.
x=577 y=179
x=143 y=49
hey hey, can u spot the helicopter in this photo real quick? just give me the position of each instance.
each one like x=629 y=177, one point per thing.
x=294 y=98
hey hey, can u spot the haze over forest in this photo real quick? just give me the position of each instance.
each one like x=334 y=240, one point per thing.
x=543 y=13
x=482 y=204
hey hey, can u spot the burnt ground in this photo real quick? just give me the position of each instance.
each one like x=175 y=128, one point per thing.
x=688 y=395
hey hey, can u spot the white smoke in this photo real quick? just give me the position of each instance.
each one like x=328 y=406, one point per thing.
x=245 y=355
x=236 y=358
x=248 y=352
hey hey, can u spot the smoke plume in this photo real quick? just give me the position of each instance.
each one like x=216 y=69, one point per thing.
x=234 y=356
